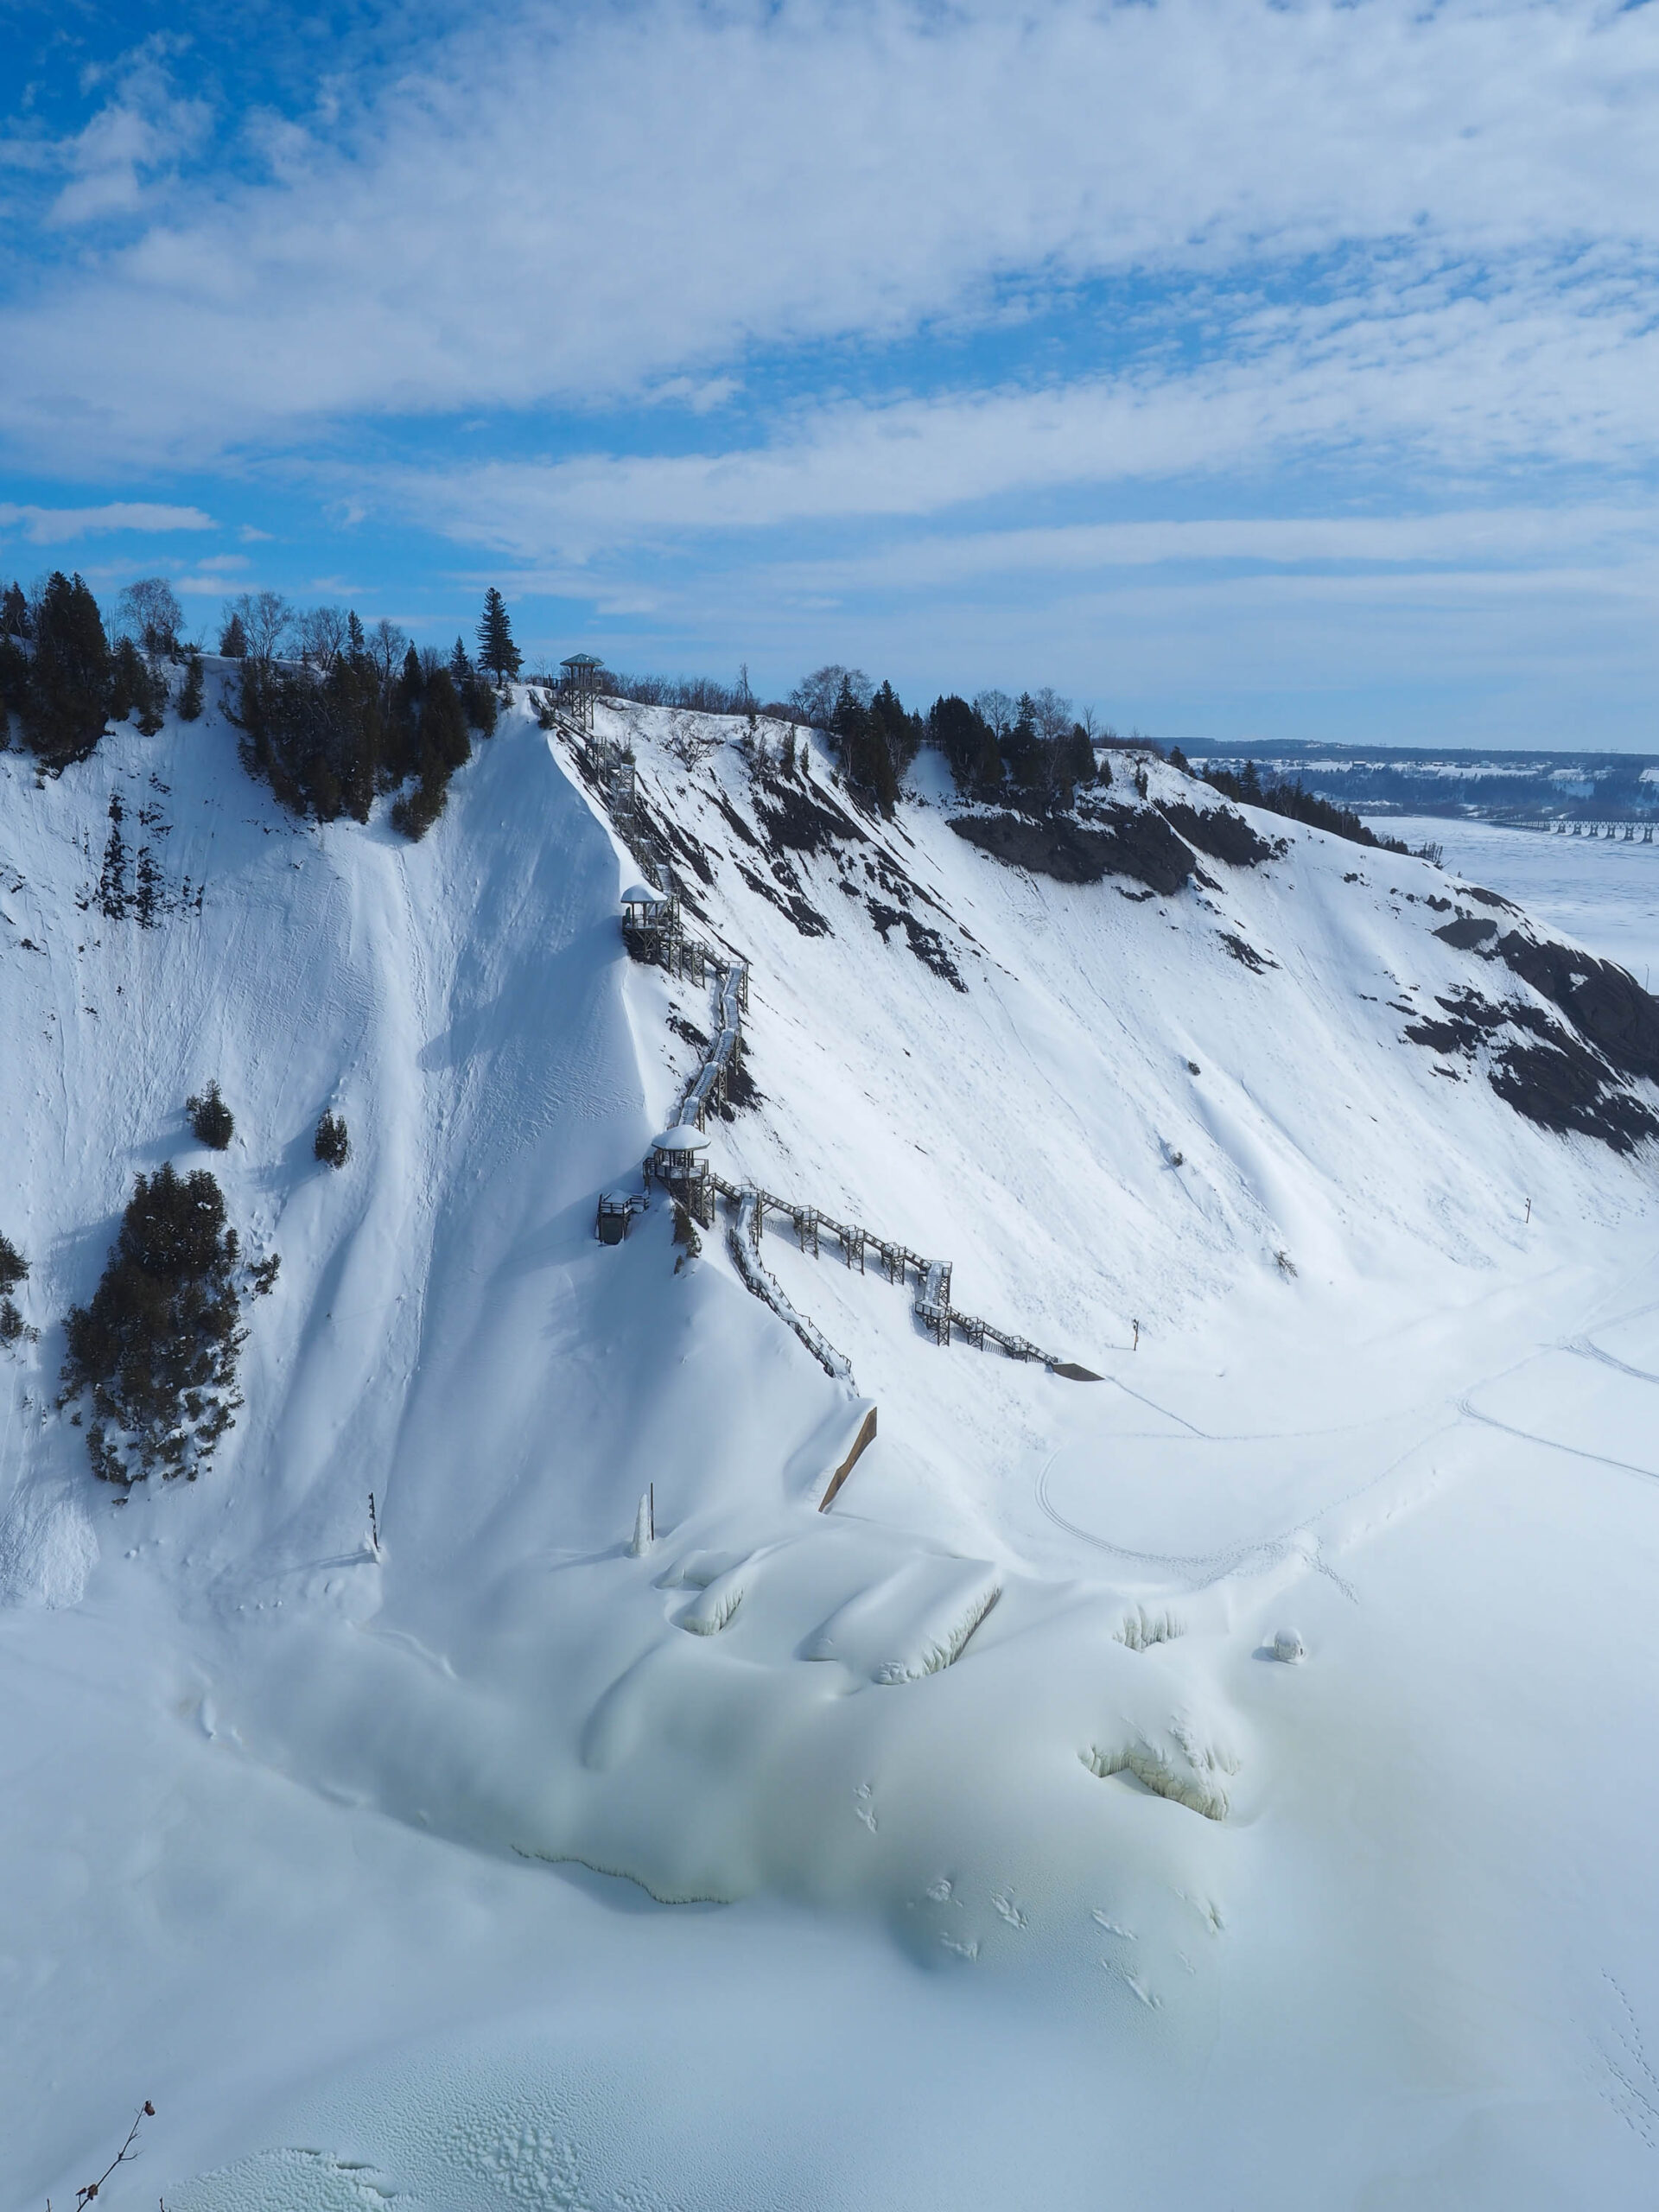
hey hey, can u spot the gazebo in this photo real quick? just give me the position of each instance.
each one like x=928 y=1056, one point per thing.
x=581 y=687
x=679 y=1161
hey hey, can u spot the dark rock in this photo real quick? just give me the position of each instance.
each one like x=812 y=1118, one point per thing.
x=801 y=821
x=1219 y=832
x=806 y=918
x=1246 y=954
x=927 y=945
x=1466 y=932
x=1569 y=1090
x=1604 y=1003
x=1139 y=843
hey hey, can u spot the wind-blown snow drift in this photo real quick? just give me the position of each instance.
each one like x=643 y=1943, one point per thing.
x=1198 y=1110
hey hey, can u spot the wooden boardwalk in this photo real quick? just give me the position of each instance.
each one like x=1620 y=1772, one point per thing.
x=652 y=928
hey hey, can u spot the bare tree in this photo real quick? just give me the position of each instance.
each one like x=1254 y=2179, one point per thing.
x=998 y=710
x=387 y=646
x=265 y=617
x=1053 y=714
x=323 y=636
x=814 y=698
x=151 y=615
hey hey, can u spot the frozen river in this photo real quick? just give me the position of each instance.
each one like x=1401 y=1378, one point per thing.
x=1603 y=892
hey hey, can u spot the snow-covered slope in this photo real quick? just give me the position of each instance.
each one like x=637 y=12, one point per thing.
x=1009 y=1699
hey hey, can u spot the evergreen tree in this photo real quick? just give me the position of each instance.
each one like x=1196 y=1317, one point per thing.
x=900 y=732
x=332 y=1144
x=13 y=613
x=356 y=645
x=157 y=1346
x=14 y=683
x=865 y=752
x=964 y=737
x=147 y=889
x=443 y=722
x=496 y=650
x=14 y=1269
x=1023 y=753
x=1078 y=757
x=68 y=695
x=113 y=878
x=232 y=638
x=190 y=694
x=210 y=1119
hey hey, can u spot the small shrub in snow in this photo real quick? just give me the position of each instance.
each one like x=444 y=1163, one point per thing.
x=333 y=1144
x=157 y=1346
x=685 y=1235
x=413 y=813
x=263 y=1273
x=211 y=1119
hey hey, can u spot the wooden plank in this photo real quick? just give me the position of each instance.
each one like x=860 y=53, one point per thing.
x=860 y=1443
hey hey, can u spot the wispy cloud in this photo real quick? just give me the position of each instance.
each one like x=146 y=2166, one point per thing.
x=1142 y=332
x=62 y=525
x=757 y=177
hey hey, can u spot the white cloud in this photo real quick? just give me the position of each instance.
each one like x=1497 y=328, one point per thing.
x=58 y=525
x=561 y=208
x=138 y=135
x=1558 y=380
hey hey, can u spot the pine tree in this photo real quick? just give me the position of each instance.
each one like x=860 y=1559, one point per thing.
x=333 y=1143
x=966 y=738
x=1078 y=757
x=157 y=1344
x=496 y=650
x=68 y=696
x=112 y=880
x=14 y=1269
x=233 y=639
x=190 y=694
x=147 y=897
x=13 y=613
x=443 y=721
x=210 y=1119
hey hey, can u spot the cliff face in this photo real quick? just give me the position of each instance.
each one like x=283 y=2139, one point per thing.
x=1240 y=1118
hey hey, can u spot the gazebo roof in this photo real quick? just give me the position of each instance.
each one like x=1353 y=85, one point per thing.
x=685 y=1136
x=582 y=660
x=641 y=895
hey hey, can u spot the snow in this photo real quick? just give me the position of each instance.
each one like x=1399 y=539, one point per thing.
x=1601 y=890
x=959 y=1844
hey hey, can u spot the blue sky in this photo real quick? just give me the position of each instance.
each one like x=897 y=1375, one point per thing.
x=1248 y=371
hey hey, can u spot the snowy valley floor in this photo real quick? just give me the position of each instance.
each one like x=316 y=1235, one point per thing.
x=1116 y=1909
